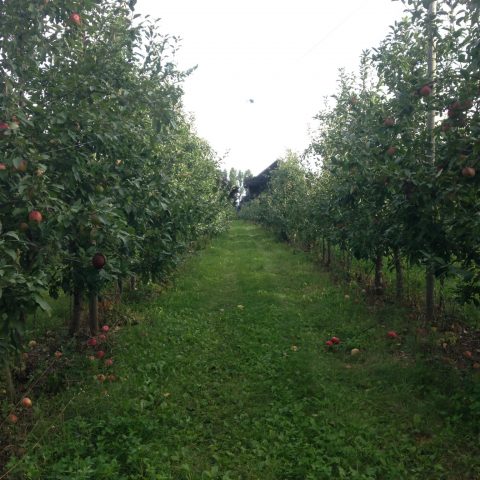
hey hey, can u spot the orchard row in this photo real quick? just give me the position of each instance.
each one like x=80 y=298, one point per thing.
x=397 y=153
x=102 y=176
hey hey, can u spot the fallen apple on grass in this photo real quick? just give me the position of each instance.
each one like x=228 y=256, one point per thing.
x=91 y=342
x=12 y=418
x=26 y=402
x=392 y=334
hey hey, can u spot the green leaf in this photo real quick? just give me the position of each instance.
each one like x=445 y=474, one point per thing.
x=42 y=303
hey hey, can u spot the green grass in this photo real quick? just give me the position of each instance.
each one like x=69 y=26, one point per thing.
x=227 y=377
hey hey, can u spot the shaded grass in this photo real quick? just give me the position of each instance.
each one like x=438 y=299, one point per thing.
x=228 y=378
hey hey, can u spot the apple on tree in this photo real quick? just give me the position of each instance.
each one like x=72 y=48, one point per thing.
x=391 y=151
x=468 y=172
x=99 y=261
x=35 y=216
x=425 y=91
x=75 y=18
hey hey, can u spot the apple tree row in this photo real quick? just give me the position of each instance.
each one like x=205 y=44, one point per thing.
x=390 y=182
x=102 y=175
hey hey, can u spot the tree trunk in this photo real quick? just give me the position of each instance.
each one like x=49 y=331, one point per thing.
x=398 y=274
x=9 y=386
x=133 y=282
x=77 y=311
x=329 y=253
x=378 y=274
x=441 y=299
x=430 y=294
x=93 y=313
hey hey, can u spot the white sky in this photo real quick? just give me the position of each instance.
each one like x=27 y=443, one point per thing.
x=283 y=54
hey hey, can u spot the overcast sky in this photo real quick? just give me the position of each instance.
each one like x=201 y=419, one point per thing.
x=282 y=54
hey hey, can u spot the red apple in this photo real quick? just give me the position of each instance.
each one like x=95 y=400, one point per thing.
x=426 y=90
x=75 y=18
x=446 y=126
x=105 y=328
x=454 y=109
x=26 y=402
x=391 y=151
x=12 y=418
x=4 y=126
x=389 y=122
x=468 y=172
x=99 y=261
x=22 y=166
x=467 y=354
x=329 y=343
x=102 y=337
x=58 y=354
x=392 y=334
x=35 y=216
x=108 y=362
x=335 y=340
x=91 y=342
x=100 y=354
x=3 y=166
x=111 y=378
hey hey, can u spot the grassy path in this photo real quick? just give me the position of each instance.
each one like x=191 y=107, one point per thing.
x=228 y=378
